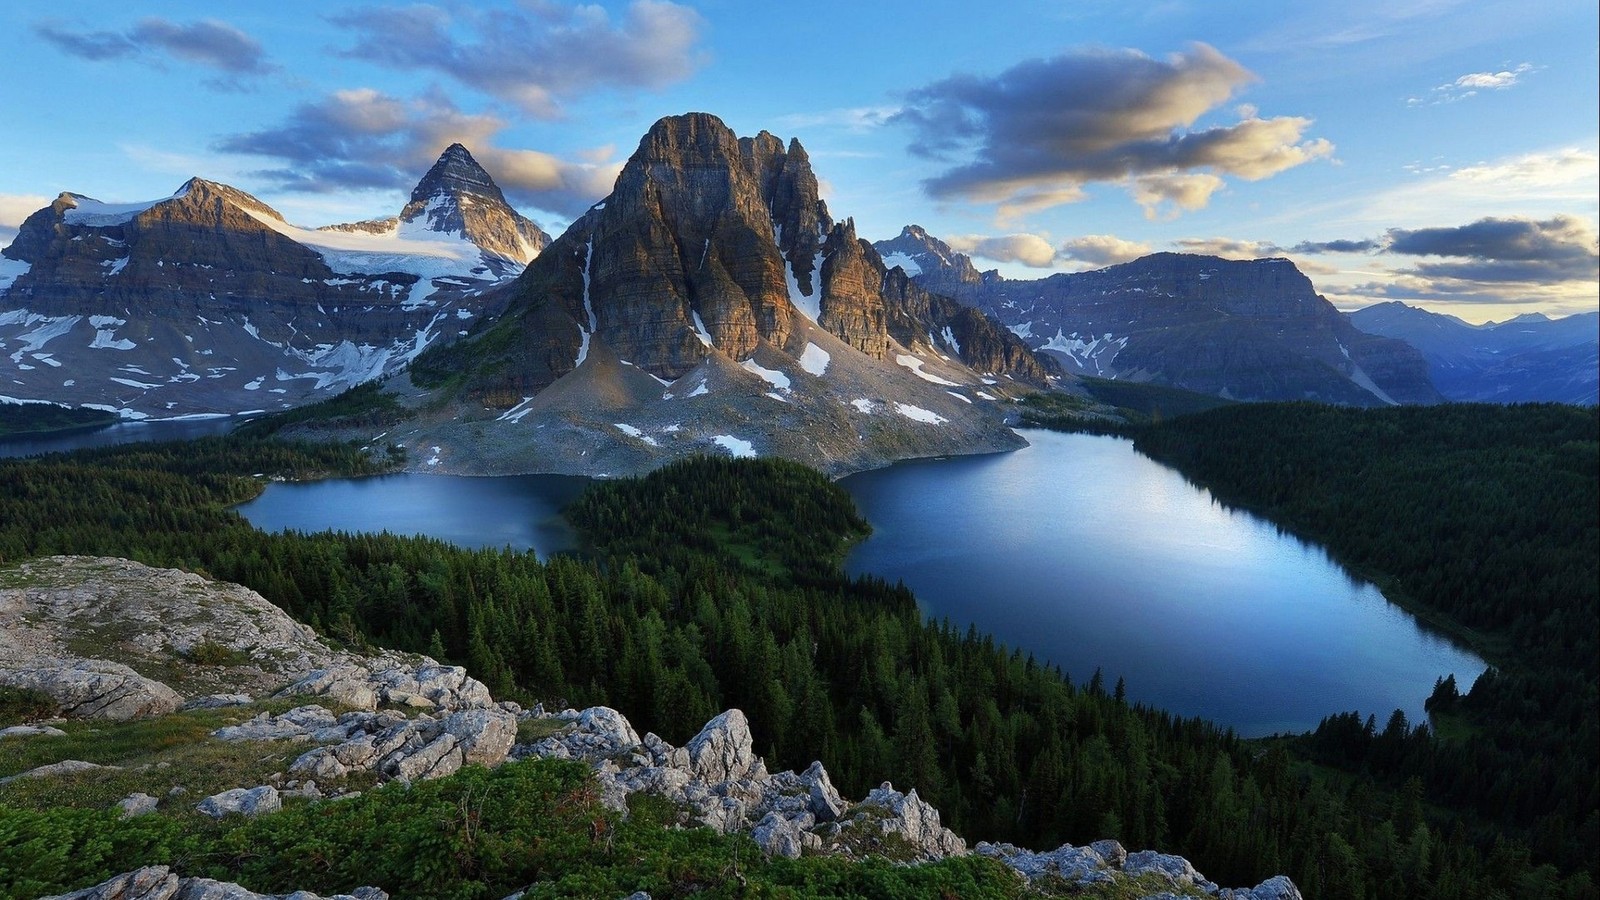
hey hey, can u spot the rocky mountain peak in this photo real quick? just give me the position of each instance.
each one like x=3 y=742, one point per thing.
x=458 y=196
x=930 y=260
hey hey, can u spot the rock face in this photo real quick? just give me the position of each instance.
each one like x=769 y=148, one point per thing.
x=457 y=196
x=56 y=611
x=708 y=242
x=1248 y=330
x=207 y=301
x=93 y=688
x=709 y=296
x=1527 y=359
x=160 y=883
x=930 y=261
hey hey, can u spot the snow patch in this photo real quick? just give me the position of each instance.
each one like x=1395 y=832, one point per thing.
x=963 y=398
x=915 y=365
x=515 y=413
x=918 y=414
x=48 y=330
x=1025 y=330
x=950 y=340
x=700 y=328
x=633 y=432
x=771 y=376
x=107 y=340
x=985 y=395
x=95 y=214
x=862 y=405
x=135 y=384
x=904 y=261
x=738 y=448
x=699 y=389
x=11 y=270
x=815 y=360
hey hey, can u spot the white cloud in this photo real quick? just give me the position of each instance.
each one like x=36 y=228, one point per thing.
x=1103 y=250
x=1470 y=84
x=1035 y=135
x=1028 y=249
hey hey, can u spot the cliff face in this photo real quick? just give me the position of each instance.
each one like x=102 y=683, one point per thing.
x=708 y=241
x=710 y=301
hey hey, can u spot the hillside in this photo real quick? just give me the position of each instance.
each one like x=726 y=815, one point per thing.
x=232 y=759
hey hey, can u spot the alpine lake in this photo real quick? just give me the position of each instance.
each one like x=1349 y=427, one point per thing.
x=1076 y=549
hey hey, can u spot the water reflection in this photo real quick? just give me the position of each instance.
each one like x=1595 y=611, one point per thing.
x=1088 y=555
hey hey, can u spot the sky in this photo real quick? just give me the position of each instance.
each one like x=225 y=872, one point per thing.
x=1443 y=154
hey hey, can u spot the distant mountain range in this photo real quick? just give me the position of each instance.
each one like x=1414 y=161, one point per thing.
x=710 y=302
x=208 y=302
x=1528 y=358
x=1246 y=330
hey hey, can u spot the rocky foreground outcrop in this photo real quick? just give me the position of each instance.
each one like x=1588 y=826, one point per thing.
x=403 y=719
x=160 y=883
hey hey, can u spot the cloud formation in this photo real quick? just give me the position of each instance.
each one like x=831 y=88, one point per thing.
x=1562 y=248
x=14 y=208
x=1034 y=135
x=1028 y=249
x=1229 y=248
x=534 y=56
x=365 y=139
x=210 y=43
x=1365 y=245
x=1470 y=84
x=1099 y=250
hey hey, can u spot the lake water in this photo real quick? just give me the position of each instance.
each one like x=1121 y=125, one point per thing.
x=522 y=512
x=1076 y=549
x=1090 y=555
x=120 y=433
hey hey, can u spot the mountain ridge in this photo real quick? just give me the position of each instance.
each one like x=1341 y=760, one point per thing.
x=1240 y=329
x=208 y=302
x=714 y=269
x=1527 y=358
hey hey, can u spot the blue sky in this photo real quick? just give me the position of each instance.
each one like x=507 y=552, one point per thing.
x=1440 y=153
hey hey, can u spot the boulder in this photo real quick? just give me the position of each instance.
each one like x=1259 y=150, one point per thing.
x=242 y=801
x=824 y=800
x=299 y=724
x=17 y=731
x=65 y=767
x=723 y=750
x=94 y=688
x=914 y=820
x=161 y=883
x=137 y=804
x=348 y=684
x=485 y=736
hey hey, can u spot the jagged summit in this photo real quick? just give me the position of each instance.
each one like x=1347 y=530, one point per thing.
x=713 y=297
x=457 y=196
x=928 y=259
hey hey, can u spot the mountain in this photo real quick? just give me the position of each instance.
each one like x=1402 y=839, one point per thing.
x=1525 y=359
x=1247 y=330
x=208 y=302
x=711 y=300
